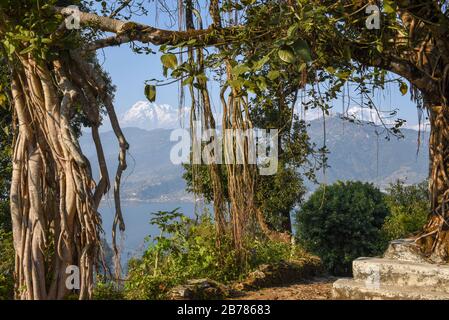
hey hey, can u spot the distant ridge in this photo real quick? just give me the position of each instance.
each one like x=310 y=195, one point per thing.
x=356 y=153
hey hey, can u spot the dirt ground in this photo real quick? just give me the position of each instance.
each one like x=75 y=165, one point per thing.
x=314 y=289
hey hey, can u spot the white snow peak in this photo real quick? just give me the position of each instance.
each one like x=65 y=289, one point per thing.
x=147 y=115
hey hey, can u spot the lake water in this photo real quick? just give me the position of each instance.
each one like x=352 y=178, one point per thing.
x=137 y=217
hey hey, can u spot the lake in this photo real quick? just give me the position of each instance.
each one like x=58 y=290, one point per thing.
x=137 y=217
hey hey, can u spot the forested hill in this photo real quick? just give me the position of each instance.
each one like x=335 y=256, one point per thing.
x=359 y=151
x=356 y=153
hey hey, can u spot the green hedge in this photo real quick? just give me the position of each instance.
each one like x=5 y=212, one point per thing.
x=342 y=222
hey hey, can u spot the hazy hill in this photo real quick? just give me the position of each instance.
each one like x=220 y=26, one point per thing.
x=356 y=153
x=150 y=174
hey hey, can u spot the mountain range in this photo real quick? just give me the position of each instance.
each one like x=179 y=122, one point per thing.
x=358 y=151
x=361 y=151
x=149 y=116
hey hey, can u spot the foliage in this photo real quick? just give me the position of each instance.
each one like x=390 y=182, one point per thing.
x=6 y=242
x=271 y=41
x=6 y=265
x=199 y=182
x=5 y=150
x=107 y=290
x=342 y=222
x=409 y=209
x=187 y=249
x=277 y=194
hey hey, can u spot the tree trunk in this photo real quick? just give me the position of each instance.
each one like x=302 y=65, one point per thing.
x=434 y=239
x=54 y=199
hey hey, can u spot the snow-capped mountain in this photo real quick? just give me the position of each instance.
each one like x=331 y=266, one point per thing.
x=148 y=116
x=362 y=114
x=354 y=112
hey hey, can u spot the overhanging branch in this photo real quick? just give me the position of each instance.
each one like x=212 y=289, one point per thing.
x=126 y=31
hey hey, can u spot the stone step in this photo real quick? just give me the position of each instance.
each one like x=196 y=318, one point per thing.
x=405 y=250
x=375 y=271
x=349 y=289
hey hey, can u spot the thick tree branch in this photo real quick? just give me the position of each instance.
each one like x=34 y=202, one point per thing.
x=130 y=31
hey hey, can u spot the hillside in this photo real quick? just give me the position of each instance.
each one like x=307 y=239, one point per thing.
x=356 y=153
x=360 y=152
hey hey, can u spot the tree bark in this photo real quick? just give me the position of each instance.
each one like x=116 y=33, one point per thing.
x=434 y=239
x=54 y=199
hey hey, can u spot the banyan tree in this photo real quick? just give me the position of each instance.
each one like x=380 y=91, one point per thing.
x=56 y=84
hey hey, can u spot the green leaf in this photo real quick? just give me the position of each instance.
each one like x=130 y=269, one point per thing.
x=344 y=75
x=10 y=48
x=347 y=53
x=3 y=99
x=273 y=75
x=302 y=67
x=236 y=84
x=150 y=92
x=302 y=49
x=292 y=30
x=169 y=61
x=163 y=48
x=201 y=78
x=380 y=47
x=27 y=49
x=250 y=86
x=261 y=83
x=240 y=69
x=259 y=64
x=389 y=7
x=286 y=54
x=403 y=87
x=188 y=81
x=331 y=70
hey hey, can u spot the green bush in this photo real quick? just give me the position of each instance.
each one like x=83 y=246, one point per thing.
x=409 y=208
x=107 y=290
x=342 y=222
x=6 y=265
x=187 y=249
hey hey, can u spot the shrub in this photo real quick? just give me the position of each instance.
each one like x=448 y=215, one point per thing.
x=409 y=208
x=342 y=222
x=187 y=249
x=107 y=290
x=6 y=265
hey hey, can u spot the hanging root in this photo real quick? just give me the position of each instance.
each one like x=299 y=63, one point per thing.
x=54 y=199
x=434 y=239
x=97 y=79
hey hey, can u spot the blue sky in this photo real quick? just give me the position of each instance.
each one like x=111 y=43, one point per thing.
x=129 y=71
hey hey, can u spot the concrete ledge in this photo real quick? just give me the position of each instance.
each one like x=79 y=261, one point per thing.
x=404 y=250
x=349 y=289
x=389 y=272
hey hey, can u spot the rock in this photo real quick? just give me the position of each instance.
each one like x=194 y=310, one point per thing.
x=281 y=273
x=350 y=289
x=388 y=272
x=199 y=289
x=403 y=273
x=404 y=250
